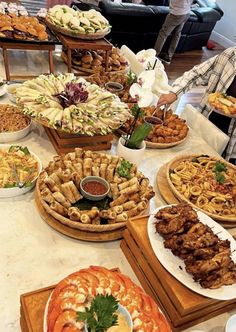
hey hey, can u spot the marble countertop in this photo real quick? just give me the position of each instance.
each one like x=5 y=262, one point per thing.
x=33 y=255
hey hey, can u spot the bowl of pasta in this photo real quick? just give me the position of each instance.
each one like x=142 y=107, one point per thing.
x=14 y=124
x=19 y=170
x=208 y=183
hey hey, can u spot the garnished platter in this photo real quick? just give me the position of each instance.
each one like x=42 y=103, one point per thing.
x=173 y=131
x=176 y=265
x=96 y=282
x=129 y=193
x=71 y=104
x=207 y=183
x=223 y=104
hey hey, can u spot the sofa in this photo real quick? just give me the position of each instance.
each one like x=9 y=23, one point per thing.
x=138 y=25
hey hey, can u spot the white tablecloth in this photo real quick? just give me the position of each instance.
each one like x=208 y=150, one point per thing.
x=33 y=255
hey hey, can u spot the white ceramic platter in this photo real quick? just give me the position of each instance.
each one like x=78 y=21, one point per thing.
x=3 y=89
x=13 y=136
x=15 y=191
x=176 y=266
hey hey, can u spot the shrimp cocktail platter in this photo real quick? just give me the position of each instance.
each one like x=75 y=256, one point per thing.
x=91 y=195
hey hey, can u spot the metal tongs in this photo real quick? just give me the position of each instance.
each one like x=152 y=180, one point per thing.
x=19 y=183
x=154 y=120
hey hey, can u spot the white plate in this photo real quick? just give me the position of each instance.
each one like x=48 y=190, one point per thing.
x=231 y=324
x=3 y=89
x=173 y=264
x=45 y=325
x=13 y=136
x=12 y=192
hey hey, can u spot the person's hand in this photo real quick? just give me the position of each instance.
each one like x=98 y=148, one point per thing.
x=167 y=98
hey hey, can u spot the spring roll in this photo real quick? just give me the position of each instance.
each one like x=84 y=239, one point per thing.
x=74 y=213
x=76 y=179
x=110 y=173
x=142 y=205
x=47 y=196
x=95 y=170
x=55 y=178
x=64 y=175
x=115 y=160
x=120 y=200
x=87 y=166
x=79 y=169
x=117 y=178
x=121 y=217
x=85 y=219
x=128 y=183
x=102 y=170
x=135 y=197
x=130 y=190
x=66 y=191
x=108 y=214
x=96 y=221
x=75 y=191
x=61 y=199
x=51 y=184
x=118 y=209
x=71 y=155
x=88 y=154
x=144 y=184
x=55 y=206
x=133 y=212
x=69 y=165
x=129 y=205
x=78 y=152
x=149 y=193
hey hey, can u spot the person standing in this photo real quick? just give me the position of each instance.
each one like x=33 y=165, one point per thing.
x=174 y=22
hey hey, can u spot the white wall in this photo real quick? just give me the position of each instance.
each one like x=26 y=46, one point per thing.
x=225 y=30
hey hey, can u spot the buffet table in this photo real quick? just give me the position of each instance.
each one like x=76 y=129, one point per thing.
x=35 y=255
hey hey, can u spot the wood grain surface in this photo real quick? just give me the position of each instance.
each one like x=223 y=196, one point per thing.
x=183 y=307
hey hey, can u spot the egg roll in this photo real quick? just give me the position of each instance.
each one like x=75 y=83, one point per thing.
x=128 y=183
x=118 y=208
x=51 y=184
x=85 y=219
x=79 y=152
x=130 y=190
x=79 y=169
x=110 y=173
x=61 y=199
x=66 y=191
x=120 y=200
x=75 y=191
x=74 y=213
x=47 y=196
x=55 y=206
x=129 y=205
x=114 y=190
x=95 y=170
x=76 y=179
x=121 y=217
x=102 y=170
x=87 y=166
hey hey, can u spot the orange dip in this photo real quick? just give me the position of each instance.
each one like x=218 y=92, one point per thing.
x=94 y=187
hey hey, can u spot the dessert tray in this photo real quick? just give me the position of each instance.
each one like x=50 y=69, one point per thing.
x=61 y=204
x=207 y=183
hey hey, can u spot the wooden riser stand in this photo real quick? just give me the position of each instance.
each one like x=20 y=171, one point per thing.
x=182 y=307
x=64 y=143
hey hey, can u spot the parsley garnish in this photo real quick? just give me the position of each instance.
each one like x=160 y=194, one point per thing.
x=219 y=167
x=101 y=314
x=124 y=169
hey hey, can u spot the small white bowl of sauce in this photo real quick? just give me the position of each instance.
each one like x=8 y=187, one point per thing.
x=94 y=188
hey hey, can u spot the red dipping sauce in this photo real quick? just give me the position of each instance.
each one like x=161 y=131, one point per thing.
x=94 y=188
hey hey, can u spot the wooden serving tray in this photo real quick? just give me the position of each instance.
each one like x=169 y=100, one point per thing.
x=182 y=307
x=64 y=142
x=32 y=306
x=168 y=195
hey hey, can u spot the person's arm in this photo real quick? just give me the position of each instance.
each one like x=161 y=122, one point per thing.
x=198 y=75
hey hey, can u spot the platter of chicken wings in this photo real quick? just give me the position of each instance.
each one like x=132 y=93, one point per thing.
x=195 y=249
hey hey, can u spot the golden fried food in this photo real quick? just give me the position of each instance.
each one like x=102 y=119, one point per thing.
x=12 y=119
x=206 y=257
x=174 y=128
x=222 y=102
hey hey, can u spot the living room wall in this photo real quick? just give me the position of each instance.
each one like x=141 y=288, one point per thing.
x=225 y=30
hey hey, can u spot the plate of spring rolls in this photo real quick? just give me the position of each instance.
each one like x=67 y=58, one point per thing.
x=58 y=190
x=70 y=104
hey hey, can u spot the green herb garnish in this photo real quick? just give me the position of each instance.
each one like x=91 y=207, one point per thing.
x=124 y=169
x=219 y=167
x=220 y=178
x=101 y=314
